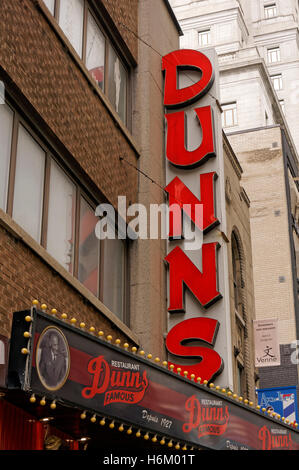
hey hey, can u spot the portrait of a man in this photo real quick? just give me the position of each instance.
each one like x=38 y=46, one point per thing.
x=52 y=358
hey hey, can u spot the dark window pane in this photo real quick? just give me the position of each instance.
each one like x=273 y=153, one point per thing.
x=114 y=276
x=29 y=184
x=95 y=51
x=6 y=123
x=61 y=218
x=89 y=249
x=117 y=87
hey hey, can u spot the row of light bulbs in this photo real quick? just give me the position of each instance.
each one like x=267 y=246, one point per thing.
x=121 y=427
x=157 y=360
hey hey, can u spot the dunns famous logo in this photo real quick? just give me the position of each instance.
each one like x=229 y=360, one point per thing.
x=208 y=420
x=118 y=385
x=275 y=439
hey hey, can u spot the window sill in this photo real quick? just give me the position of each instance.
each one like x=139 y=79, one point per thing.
x=12 y=227
x=78 y=61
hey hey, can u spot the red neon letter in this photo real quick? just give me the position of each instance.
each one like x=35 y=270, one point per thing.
x=203 y=329
x=179 y=194
x=185 y=59
x=97 y=367
x=202 y=284
x=176 y=151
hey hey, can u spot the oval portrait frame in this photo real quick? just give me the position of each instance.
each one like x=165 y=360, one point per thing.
x=62 y=336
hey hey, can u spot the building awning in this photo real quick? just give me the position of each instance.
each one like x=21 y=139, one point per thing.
x=88 y=384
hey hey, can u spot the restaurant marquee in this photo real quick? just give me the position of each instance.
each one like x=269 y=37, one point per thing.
x=61 y=362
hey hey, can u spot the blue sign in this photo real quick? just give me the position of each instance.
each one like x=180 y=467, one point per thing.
x=280 y=400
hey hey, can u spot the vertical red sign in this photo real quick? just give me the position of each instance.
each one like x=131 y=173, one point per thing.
x=182 y=271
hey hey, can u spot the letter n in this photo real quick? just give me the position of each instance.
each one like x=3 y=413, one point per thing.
x=179 y=194
x=183 y=272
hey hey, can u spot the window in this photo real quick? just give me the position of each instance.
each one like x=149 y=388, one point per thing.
x=270 y=10
x=229 y=115
x=114 y=267
x=282 y=104
x=204 y=38
x=273 y=55
x=61 y=213
x=94 y=47
x=89 y=249
x=6 y=119
x=95 y=51
x=29 y=184
x=277 y=81
x=47 y=202
x=241 y=380
x=71 y=15
x=51 y=5
x=117 y=84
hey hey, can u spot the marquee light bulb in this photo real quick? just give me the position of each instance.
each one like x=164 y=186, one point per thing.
x=32 y=399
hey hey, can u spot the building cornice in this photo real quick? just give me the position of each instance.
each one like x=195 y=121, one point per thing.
x=279 y=116
x=215 y=17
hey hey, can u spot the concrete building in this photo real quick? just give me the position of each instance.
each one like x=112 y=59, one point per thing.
x=257 y=46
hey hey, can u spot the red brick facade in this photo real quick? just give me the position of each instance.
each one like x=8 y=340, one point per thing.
x=47 y=80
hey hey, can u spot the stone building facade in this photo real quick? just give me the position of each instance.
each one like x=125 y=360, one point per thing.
x=82 y=124
x=257 y=48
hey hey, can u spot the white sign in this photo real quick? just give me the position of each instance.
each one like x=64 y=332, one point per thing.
x=267 y=351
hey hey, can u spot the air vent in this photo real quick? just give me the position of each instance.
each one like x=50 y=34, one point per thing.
x=282 y=279
x=274 y=145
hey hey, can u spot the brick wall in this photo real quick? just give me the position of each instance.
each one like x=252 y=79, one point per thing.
x=125 y=15
x=285 y=375
x=35 y=60
x=50 y=85
x=24 y=276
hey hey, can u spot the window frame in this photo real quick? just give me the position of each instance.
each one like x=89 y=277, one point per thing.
x=108 y=40
x=282 y=105
x=277 y=78
x=270 y=50
x=50 y=155
x=200 y=35
x=269 y=7
x=234 y=109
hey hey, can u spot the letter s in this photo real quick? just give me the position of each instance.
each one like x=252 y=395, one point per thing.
x=204 y=329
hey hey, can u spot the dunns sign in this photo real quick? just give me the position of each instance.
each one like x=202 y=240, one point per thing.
x=199 y=337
